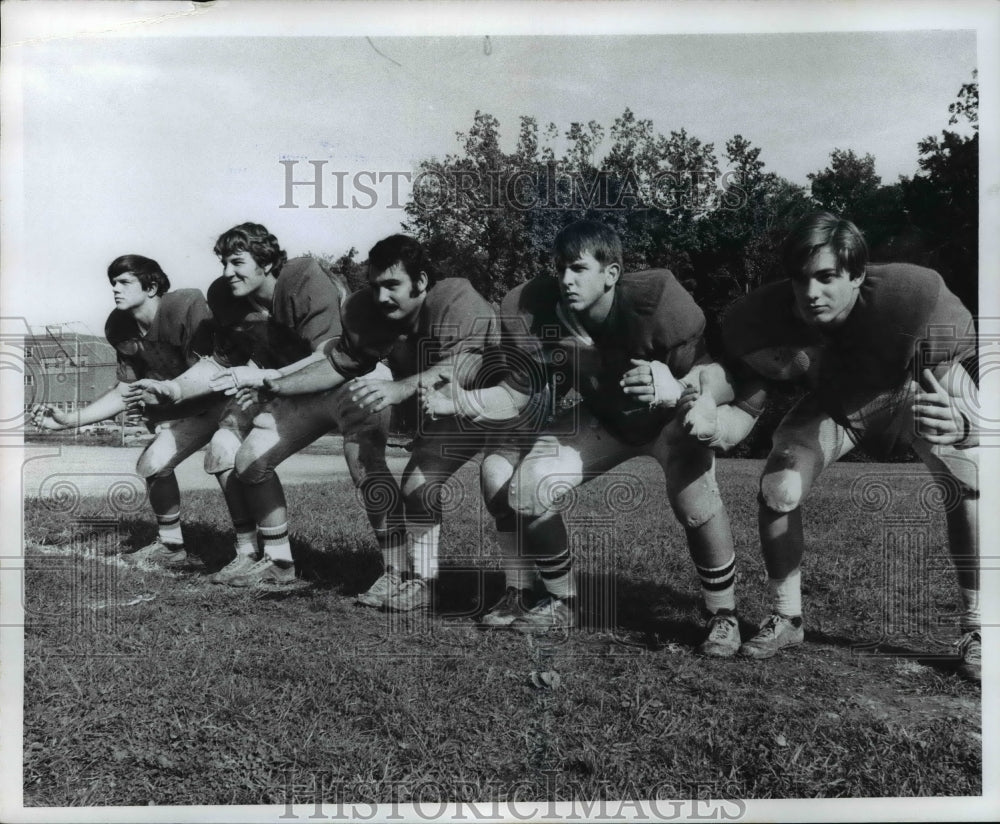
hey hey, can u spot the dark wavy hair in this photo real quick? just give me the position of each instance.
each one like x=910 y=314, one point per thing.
x=257 y=241
x=587 y=237
x=819 y=229
x=401 y=249
x=146 y=270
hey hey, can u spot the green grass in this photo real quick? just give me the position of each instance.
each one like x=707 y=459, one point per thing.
x=145 y=686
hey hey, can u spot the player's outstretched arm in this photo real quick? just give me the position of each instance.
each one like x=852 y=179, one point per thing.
x=194 y=383
x=314 y=376
x=315 y=357
x=110 y=404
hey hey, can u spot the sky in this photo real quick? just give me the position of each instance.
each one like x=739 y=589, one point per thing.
x=145 y=141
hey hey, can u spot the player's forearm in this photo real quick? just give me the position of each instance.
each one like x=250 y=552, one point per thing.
x=495 y=404
x=316 y=376
x=716 y=381
x=196 y=381
x=110 y=404
x=315 y=357
x=408 y=387
x=733 y=425
x=458 y=369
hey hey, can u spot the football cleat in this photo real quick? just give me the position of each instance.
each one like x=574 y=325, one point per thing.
x=266 y=573
x=508 y=609
x=776 y=632
x=970 y=647
x=161 y=554
x=549 y=613
x=409 y=595
x=723 y=638
x=378 y=593
x=238 y=566
x=414 y=593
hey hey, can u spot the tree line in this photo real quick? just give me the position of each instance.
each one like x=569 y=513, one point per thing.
x=714 y=218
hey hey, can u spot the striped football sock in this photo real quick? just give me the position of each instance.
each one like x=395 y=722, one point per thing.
x=718 y=586
x=170 y=529
x=557 y=574
x=276 y=546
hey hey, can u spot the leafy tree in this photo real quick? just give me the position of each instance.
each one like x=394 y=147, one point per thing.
x=941 y=201
x=466 y=207
x=847 y=185
x=490 y=215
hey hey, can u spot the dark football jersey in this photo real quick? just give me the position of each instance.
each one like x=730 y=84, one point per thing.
x=305 y=312
x=180 y=334
x=454 y=319
x=905 y=319
x=652 y=317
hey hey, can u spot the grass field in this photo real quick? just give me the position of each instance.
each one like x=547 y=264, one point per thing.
x=152 y=687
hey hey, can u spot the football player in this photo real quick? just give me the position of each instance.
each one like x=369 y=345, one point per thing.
x=274 y=315
x=888 y=353
x=622 y=341
x=157 y=335
x=427 y=330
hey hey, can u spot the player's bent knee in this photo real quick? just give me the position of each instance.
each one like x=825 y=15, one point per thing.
x=542 y=485
x=221 y=453
x=151 y=465
x=251 y=468
x=494 y=480
x=697 y=503
x=781 y=492
x=531 y=497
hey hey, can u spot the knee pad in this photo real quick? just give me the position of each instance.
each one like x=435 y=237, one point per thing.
x=696 y=503
x=537 y=491
x=252 y=469
x=153 y=464
x=525 y=501
x=221 y=453
x=780 y=491
x=162 y=454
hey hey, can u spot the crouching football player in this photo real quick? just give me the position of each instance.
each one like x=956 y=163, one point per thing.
x=427 y=330
x=273 y=316
x=157 y=334
x=621 y=340
x=884 y=350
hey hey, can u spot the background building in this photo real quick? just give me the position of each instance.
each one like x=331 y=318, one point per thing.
x=65 y=368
